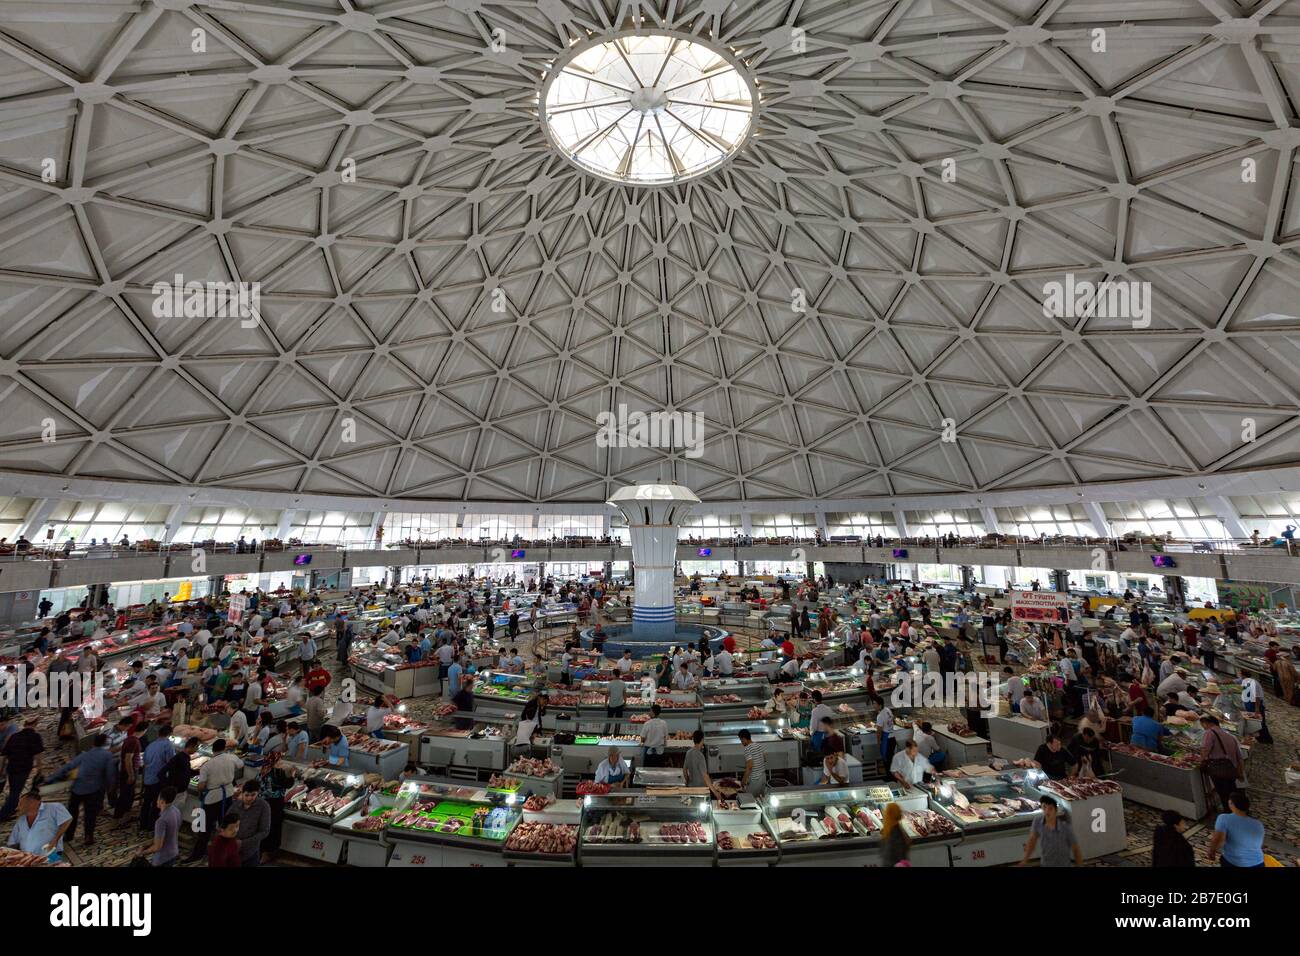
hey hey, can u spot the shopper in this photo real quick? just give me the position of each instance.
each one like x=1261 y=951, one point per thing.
x=165 y=849
x=315 y=712
x=22 y=754
x=1221 y=759
x=654 y=737
x=216 y=787
x=695 y=765
x=96 y=772
x=754 y=779
x=820 y=710
x=616 y=691
x=614 y=770
x=128 y=768
x=1053 y=831
x=1169 y=847
x=885 y=734
x=896 y=845
x=224 y=850
x=156 y=757
x=1147 y=731
x=254 y=823
x=1238 y=836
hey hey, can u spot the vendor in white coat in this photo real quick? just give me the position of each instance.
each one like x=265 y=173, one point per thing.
x=909 y=767
x=614 y=770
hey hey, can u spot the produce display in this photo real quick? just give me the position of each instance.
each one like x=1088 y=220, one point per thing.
x=727 y=785
x=1075 y=788
x=756 y=713
x=681 y=735
x=554 y=839
x=563 y=700
x=723 y=699
x=499 y=782
x=537 y=802
x=363 y=742
x=445 y=710
x=532 y=767
x=959 y=729
x=590 y=788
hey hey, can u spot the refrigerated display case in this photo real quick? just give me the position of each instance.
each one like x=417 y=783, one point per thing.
x=993 y=812
x=503 y=695
x=384 y=670
x=1096 y=810
x=743 y=835
x=483 y=746
x=367 y=754
x=838 y=685
x=646 y=830
x=726 y=755
x=439 y=823
x=840 y=826
x=730 y=697
x=315 y=801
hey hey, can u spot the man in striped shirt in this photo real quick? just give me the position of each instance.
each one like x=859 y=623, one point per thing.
x=755 y=778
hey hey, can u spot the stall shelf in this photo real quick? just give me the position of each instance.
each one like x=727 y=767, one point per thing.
x=445 y=824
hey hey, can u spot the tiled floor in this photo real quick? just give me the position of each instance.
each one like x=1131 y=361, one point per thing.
x=1273 y=802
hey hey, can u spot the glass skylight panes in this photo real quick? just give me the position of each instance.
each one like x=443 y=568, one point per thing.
x=648 y=109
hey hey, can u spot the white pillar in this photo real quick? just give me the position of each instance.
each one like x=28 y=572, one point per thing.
x=991 y=525
x=36 y=516
x=285 y=523
x=1229 y=515
x=900 y=522
x=654 y=513
x=172 y=523
x=747 y=524
x=1097 y=518
x=821 y=524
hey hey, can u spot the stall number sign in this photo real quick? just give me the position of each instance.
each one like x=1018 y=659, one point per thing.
x=1038 y=605
x=235 y=609
x=318 y=844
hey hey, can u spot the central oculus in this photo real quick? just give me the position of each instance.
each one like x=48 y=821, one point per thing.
x=647 y=108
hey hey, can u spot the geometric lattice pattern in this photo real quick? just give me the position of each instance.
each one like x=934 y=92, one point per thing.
x=464 y=310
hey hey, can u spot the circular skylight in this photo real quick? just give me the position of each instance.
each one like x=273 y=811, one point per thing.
x=647 y=107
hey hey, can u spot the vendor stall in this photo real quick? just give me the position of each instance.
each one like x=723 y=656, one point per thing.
x=313 y=804
x=1016 y=737
x=646 y=830
x=994 y=812
x=445 y=824
x=840 y=826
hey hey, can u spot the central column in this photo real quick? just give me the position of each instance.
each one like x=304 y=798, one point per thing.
x=653 y=514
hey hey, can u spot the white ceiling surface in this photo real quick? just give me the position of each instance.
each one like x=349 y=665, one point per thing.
x=924 y=296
